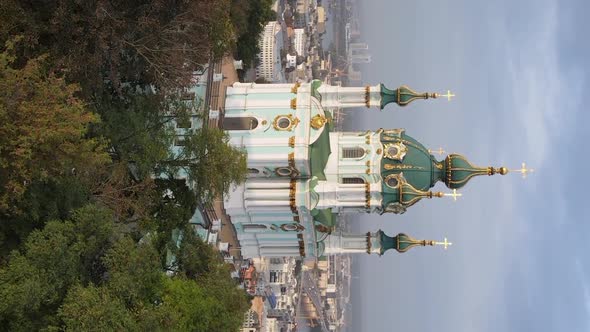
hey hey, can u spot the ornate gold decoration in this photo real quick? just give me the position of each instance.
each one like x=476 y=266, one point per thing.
x=474 y=170
x=401 y=166
x=368 y=171
x=292 y=141
x=438 y=165
x=293 y=122
x=379 y=151
x=440 y=151
x=292 y=227
x=400 y=179
x=264 y=122
x=449 y=95
x=295 y=87
x=523 y=170
x=318 y=121
x=445 y=243
x=292 y=195
x=368 y=163
x=367 y=195
x=394 y=132
x=294 y=103
x=454 y=195
x=402 y=149
x=368 y=96
x=291 y=159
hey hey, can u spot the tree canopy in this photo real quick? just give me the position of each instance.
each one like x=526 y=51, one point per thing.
x=85 y=274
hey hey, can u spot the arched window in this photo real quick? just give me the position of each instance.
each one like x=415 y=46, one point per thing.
x=240 y=123
x=353 y=180
x=353 y=152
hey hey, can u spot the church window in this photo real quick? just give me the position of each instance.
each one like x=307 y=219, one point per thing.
x=392 y=181
x=285 y=122
x=396 y=151
x=353 y=152
x=284 y=171
x=353 y=180
x=253 y=171
x=240 y=123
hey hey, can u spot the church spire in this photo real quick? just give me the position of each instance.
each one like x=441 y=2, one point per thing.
x=403 y=242
x=458 y=171
x=372 y=243
x=404 y=95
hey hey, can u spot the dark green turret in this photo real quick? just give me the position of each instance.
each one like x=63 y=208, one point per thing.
x=402 y=96
x=403 y=242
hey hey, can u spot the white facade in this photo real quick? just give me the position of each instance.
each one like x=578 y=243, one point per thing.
x=279 y=126
x=270 y=44
x=299 y=41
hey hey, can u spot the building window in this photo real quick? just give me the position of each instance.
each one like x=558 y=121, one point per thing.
x=253 y=171
x=353 y=152
x=180 y=141
x=353 y=180
x=284 y=171
x=184 y=123
x=285 y=122
x=240 y=123
x=188 y=96
x=254 y=227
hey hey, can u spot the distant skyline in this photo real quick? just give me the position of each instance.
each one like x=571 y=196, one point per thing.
x=521 y=257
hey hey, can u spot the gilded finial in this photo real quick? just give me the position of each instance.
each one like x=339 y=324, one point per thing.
x=522 y=170
x=446 y=244
x=454 y=194
x=448 y=95
x=440 y=151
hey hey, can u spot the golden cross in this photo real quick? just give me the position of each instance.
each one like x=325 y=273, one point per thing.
x=455 y=194
x=445 y=243
x=523 y=170
x=440 y=151
x=449 y=95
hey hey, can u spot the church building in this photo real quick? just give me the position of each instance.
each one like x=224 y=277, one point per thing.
x=303 y=173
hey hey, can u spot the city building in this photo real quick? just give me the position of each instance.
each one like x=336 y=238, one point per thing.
x=270 y=43
x=299 y=41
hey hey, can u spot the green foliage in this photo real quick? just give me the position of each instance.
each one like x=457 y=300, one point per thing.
x=250 y=17
x=87 y=90
x=85 y=274
x=36 y=279
x=95 y=309
x=212 y=165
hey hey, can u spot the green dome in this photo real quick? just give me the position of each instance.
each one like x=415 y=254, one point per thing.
x=401 y=242
x=402 y=96
x=458 y=171
x=404 y=154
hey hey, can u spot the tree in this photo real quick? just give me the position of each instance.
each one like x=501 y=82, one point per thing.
x=43 y=129
x=37 y=278
x=95 y=309
x=212 y=165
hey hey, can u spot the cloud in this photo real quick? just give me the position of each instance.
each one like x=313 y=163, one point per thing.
x=584 y=283
x=543 y=96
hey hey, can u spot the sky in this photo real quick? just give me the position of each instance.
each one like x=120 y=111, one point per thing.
x=521 y=255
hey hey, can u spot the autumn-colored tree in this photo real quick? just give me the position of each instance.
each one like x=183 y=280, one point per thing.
x=43 y=128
